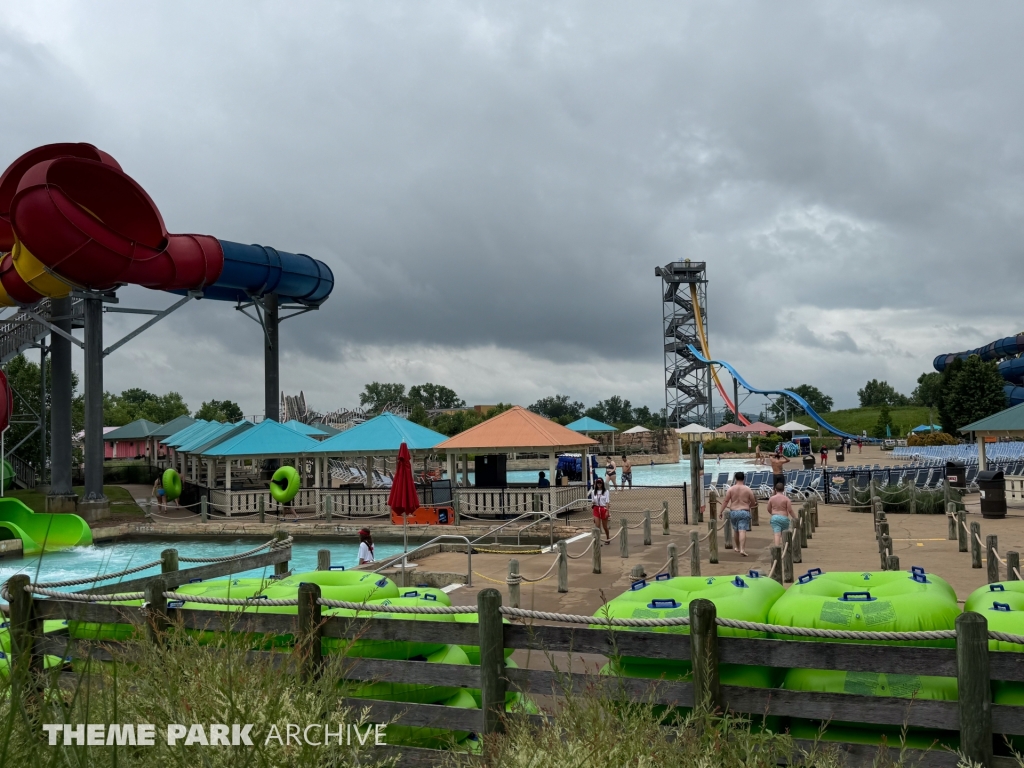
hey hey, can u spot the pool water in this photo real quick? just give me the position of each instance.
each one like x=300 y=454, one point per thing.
x=80 y=562
x=651 y=474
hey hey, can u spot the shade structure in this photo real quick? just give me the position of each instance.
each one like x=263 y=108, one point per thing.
x=304 y=429
x=727 y=428
x=173 y=427
x=517 y=429
x=927 y=428
x=403 y=498
x=136 y=430
x=587 y=424
x=1008 y=423
x=202 y=436
x=267 y=439
x=694 y=429
x=382 y=435
x=759 y=427
x=636 y=430
x=794 y=426
x=226 y=432
x=183 y=434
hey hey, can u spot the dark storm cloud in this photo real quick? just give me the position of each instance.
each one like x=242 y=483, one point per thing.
x=510 y=174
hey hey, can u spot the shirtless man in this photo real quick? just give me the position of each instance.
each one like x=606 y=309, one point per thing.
x=778 y=471
x=738 y=501
x=627 y=472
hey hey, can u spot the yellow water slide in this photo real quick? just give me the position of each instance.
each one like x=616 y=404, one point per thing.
x=707 y=353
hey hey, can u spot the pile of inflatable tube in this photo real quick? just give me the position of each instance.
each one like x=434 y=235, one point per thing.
x=893 y=601
x=351 y=586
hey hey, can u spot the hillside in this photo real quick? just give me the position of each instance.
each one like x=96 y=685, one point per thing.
x=857 y=420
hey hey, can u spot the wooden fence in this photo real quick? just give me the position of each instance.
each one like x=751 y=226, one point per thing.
x=974 y=716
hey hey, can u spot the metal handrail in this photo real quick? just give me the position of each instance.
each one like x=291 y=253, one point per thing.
x=552 y=517
x=546 y=515
x=404 y=556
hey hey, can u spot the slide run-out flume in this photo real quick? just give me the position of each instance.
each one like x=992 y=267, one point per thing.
x=71 y=217
x=782 y=392
x=707 y=352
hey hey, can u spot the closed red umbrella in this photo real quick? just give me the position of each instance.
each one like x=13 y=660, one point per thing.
x=403 y=498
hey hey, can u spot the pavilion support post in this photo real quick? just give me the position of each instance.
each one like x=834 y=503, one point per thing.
x=227 y=474
x=465 y=471
x=982 y=460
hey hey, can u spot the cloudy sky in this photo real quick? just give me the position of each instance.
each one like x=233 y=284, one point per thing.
x=493 y=183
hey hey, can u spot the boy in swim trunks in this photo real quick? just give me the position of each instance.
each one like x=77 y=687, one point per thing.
x=781 y=510
x=738 y=502
x=627 y=473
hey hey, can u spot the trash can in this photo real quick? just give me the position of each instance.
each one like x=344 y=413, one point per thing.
x=993 y=493
x=840 y=454
x=808 y=462
x=956 y=473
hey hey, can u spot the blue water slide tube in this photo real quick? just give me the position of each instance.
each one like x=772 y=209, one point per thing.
x=784 y=392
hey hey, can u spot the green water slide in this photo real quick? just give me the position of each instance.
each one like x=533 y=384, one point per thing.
x=41 y=532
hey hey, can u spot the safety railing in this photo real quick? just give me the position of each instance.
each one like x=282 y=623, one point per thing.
x=404 y=557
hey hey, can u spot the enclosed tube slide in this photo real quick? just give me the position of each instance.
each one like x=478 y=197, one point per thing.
x=1008 y=351
x=784 y=392
x=71 y=217
x=707 y=351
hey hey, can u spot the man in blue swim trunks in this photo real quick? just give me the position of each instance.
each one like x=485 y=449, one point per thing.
x=738 y=502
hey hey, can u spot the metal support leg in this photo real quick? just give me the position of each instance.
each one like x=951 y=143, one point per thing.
x=271 y=359
x=60 y=498
x=94 y=401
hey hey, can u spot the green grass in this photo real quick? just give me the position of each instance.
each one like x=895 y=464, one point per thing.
x=857 y=420
x=121 y=500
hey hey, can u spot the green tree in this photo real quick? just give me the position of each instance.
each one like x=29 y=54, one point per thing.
x=884 y=420
x=377 y=396
x=558 y=408
x=499 y=408
x=972 y=390
x=876 y=393
x=815 y=398
x=220 y=410
x=136 y=403
x=435 y=396
x=458 y=421
x=928 y=391
x=418 y=415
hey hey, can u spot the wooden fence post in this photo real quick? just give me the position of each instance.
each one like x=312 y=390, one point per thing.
x=974 y=687
x=755 y=513
x=726 y=530
x=514 y=583
x=945 y=490
x=595 y=551
x=975 y=546
x=156 y=611
x=776 y=563
x=787 y=557
x=712 y=503
x=492 y=661
x=664 y=518
x=647 y=527
x=802 y=528
x=623 y=539
x=798 y=555
x=261 y=505
x=961 y=532
x=707 y=690
x=673 y=561
x=694 y=553
x=808 y=526
x=814 y=515
x=991 y=547
x=1012 y=565
x=323 y=559
x=280 y=569
x=712 y=541
x=563 y=568
x=913 y=498
x=885 y=549
x=328 y=507
x=204 y=514
x=951 y=525
x=25 y=629
x=168 y=561
x=892 y=563
x=308 y=645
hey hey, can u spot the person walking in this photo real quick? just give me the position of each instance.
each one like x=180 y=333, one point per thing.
x=365 y=546
x=860 y=445
x=779 y=461
x=824 y=455
x=161 y=494
x=627 y=472
x=609 y=473
x=600 y=501
x=780 y=509
x=738 y=502
x=758 y=458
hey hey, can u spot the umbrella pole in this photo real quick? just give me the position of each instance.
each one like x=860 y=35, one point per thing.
x=405 y=551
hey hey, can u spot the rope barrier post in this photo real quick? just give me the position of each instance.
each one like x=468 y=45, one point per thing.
x=798 y=555
x=636 y=573
x=886 y=549
x=563 y=568
x=755 y=513
x=726 y=531
x=623 y=539
x=975 y=545
x=595 y=551
x=203 y=509
x=673 y=561
x=892 y=563
x=1012 y=565
x=323 y=559
x=707 y=689
x=873 y=488
x=913 y=498
x=513 y=583
x=961 y=530
x=308 y=643
x=712 y=542
x=991 y=561
x=647 y=527
x=492 y=661
x=945 y=490
x=280 y=569
x=951 y=522
x=808 y=526
x=694 y=553
x=168 y=561
x=814 y=515
x=802 y=528
x=263 y=516
x=156 y=611
x=974 y=688
x=712 y=503
x=787 y=557
x=664 y=518
x=24 y=629
x=328 y=504
x=776 y=569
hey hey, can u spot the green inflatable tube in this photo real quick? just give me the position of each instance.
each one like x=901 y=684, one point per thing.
x=473 y=651
x=415 y=692
x=386 y=649
x=284 y=484
x=831 y=732
x=433 y=738
x=40 y=532
x=171 y=482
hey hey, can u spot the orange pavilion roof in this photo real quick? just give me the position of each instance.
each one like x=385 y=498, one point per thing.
x=517 y=429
